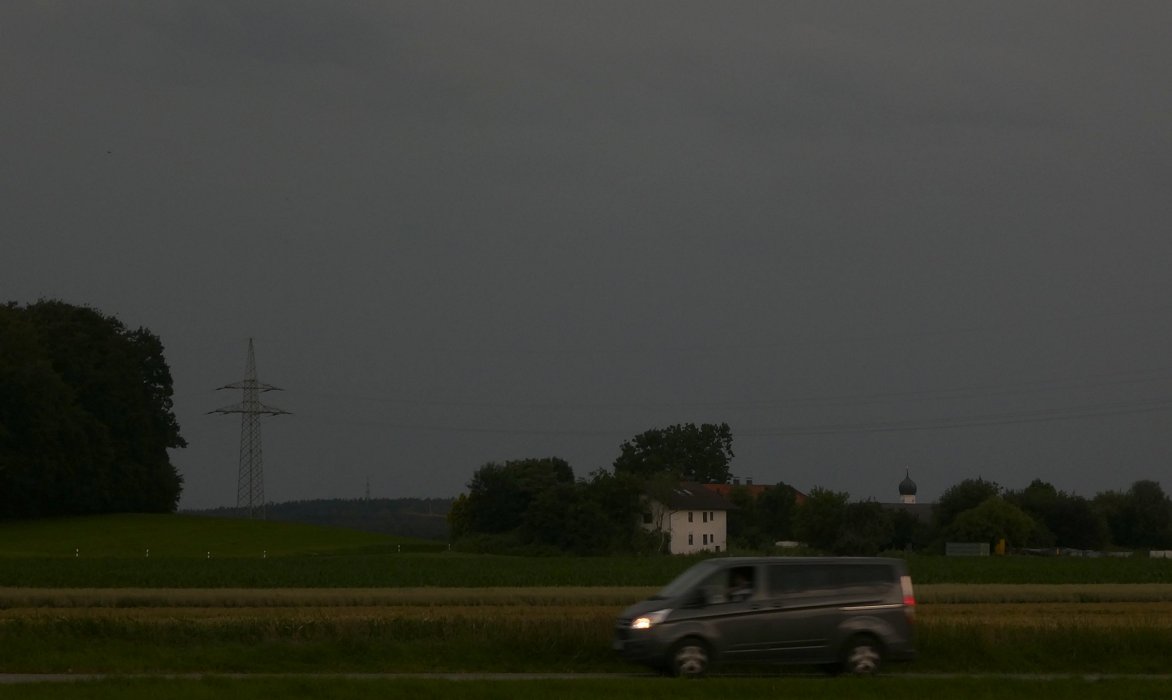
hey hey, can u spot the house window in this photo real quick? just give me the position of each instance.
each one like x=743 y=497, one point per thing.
x=705 y=516
x=705 y=539
x=689 y=538
x=689 y=516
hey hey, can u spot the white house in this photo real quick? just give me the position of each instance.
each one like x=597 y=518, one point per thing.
x=691 y=517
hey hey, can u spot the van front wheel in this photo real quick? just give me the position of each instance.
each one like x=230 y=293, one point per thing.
x=689 y=658
x=862 y=656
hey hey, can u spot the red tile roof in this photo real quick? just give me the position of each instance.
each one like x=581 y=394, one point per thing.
x=754 y=489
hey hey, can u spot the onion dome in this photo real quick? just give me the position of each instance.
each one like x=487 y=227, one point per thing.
x=907 y=487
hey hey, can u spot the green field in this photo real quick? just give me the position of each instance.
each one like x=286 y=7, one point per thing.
x=200 y=552
x=430 y=630
x=322 y=600
x=379 y=568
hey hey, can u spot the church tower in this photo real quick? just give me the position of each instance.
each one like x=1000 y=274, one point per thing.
x=907 y=489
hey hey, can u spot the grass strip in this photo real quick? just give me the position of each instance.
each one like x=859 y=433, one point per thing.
x=216 y=688
x=449 y=570
x=530 y=596
x=536 y=596
x=552 y=639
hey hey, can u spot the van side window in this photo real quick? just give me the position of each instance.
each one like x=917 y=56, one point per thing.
x=861 y=575
x=783 y=579
x=787 y=579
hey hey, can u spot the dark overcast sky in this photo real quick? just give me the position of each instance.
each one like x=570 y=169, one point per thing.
x=869 y=236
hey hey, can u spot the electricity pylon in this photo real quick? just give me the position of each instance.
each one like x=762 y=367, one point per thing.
x=250 y=486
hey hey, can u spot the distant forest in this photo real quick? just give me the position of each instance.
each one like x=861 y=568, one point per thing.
x=425 y=518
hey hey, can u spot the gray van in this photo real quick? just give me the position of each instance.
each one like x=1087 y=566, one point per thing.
x=846 y=614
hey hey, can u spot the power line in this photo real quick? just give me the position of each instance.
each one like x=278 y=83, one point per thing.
x=250 y=484
x=993 y=419
x=1124 y=378
x=981 y=420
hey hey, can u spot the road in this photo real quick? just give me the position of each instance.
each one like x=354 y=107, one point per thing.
x=19 y=678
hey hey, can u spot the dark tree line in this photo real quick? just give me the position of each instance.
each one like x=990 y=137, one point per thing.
x=1038 y=517
x=85 y=415
x=537 y=505
x=1041 y=516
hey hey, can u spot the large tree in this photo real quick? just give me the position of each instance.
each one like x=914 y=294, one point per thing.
x=535 y=505
x=990 y=521
x=1063 y=519
x=51 y=451
x=775 y=511
x=85 y=415
x=867 y=529
x=1077 y=524
x=686 y=451
x=820 y=520
x=589 y=517
x=762 y=519
x=1140 y=517
x=960 y=497
x=499 y=494
x=909 y=532
x=744 y=520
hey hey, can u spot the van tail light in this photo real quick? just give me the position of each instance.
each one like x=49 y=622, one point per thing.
x=909 y=598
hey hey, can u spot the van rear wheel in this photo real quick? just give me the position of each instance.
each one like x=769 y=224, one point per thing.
x=689 y=658
x=862 y=656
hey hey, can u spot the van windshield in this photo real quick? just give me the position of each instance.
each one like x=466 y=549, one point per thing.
x=688 y=580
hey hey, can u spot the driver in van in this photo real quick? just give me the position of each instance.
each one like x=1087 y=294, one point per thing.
x=740 y=586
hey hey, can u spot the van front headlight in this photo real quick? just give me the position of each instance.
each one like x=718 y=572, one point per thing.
x=650 y=619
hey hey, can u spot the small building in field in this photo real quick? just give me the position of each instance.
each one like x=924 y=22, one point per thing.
x=690 y=517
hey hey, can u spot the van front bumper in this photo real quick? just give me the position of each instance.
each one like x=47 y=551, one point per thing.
x=638 y=646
